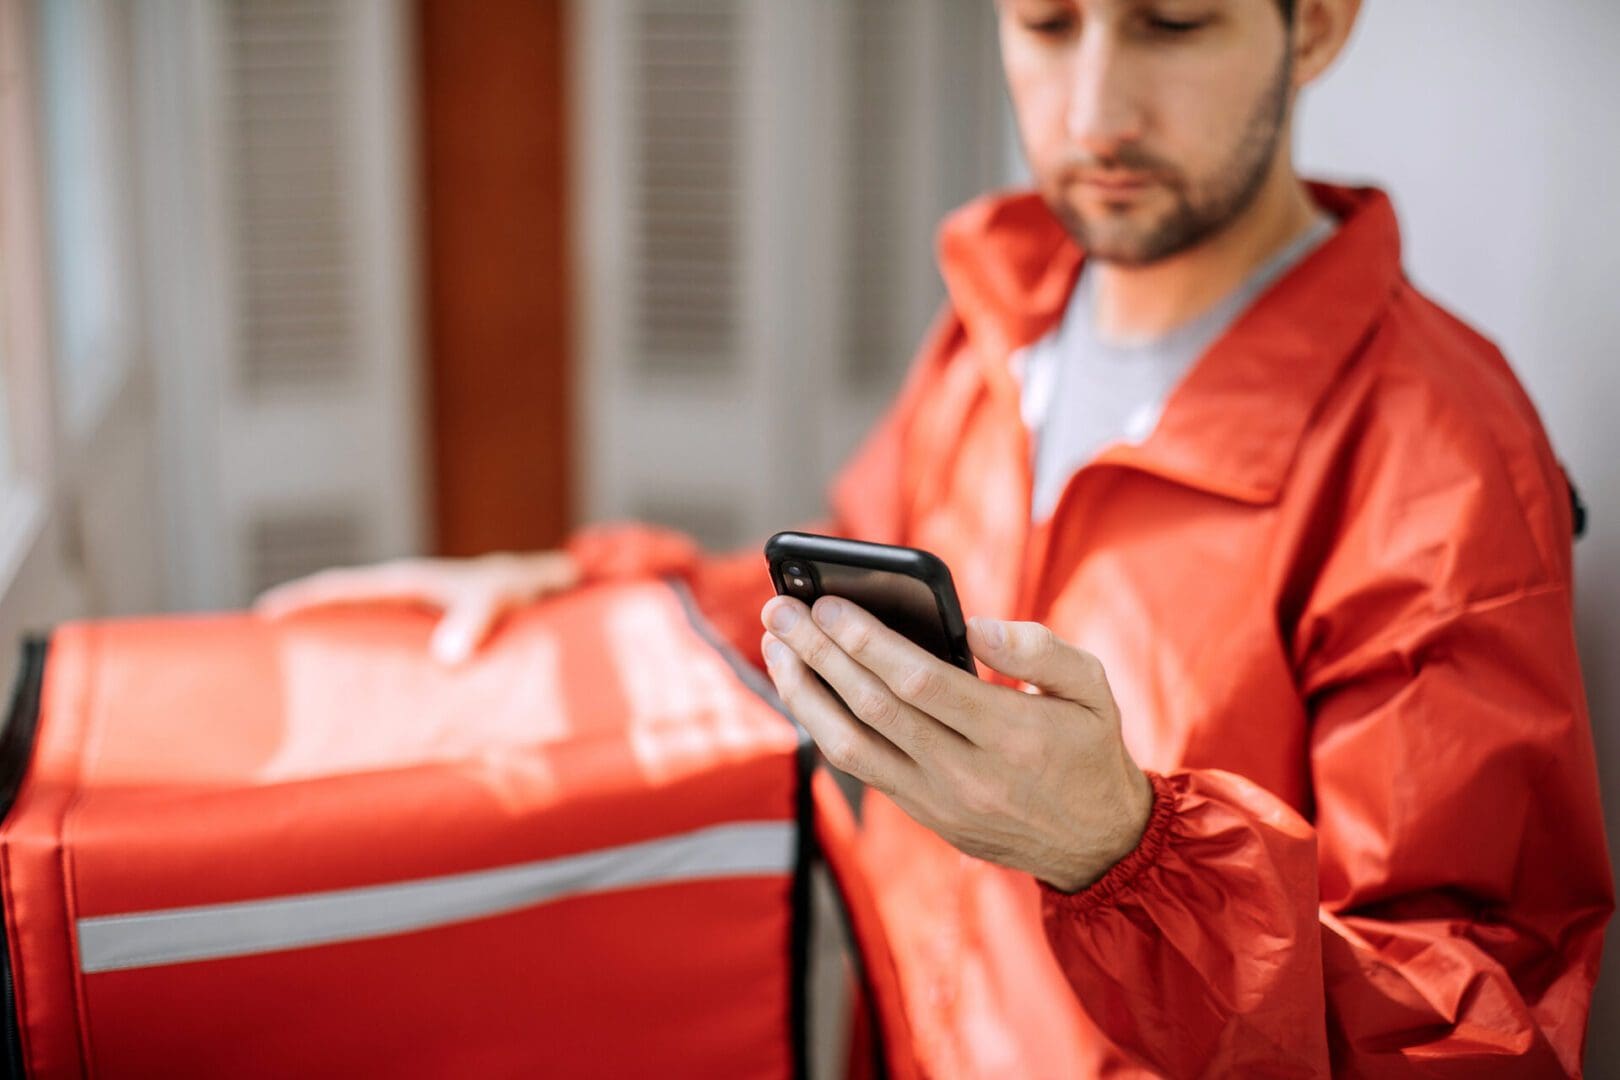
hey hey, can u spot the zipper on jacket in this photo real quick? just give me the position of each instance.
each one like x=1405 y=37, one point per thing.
x=16 y=750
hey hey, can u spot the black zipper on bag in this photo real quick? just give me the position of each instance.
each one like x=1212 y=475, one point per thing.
x=804 y=761
x=16 y=750
x=807 y=856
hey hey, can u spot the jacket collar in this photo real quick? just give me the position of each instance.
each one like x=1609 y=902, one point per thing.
x=1233 y=424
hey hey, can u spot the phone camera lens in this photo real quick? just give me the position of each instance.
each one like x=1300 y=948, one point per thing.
x=797 y=579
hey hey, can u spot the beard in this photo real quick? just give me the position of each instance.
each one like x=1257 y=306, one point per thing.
x=1201 y=207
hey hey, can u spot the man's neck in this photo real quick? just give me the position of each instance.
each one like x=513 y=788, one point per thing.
x=1136 y=303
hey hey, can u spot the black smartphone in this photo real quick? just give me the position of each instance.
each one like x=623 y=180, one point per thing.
x=907 y=589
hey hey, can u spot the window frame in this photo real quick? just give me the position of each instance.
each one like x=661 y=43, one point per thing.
x=36 y=586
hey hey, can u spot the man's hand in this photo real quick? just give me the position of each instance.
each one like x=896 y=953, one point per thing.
x=474 y=593
x=1036 y=782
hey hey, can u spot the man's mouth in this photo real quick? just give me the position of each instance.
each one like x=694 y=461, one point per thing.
x=1116 y=183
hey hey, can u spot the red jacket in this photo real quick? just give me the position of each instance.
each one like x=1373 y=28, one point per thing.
x=1332 y=591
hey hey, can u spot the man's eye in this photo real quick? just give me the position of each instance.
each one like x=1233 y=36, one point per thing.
x=1175 y=26
x=1052 y=27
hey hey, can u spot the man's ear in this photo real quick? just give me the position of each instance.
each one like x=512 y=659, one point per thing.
x=1321 y=27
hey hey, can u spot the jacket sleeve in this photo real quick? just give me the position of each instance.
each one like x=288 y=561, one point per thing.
x=728 y=587
x=867 y=500
x=1442 y=913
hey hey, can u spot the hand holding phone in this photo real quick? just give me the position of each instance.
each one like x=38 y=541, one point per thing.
x=1037 y=782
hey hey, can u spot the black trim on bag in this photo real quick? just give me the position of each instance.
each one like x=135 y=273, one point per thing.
x=1577 y=506
x=807 y=855
x=804 y=760
x=17 y=737
x=846 y=923
x=804 y=830
x=16 y=751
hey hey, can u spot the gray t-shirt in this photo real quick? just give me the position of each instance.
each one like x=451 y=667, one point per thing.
x=1081 y=393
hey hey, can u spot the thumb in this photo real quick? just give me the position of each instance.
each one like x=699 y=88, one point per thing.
x=1031 y=652
x=463 y=628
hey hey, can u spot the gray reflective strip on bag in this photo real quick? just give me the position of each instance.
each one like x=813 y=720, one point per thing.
x=217 y=931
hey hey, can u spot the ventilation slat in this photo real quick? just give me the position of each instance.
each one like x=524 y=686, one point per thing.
x=875 y=345
x=294 y=259
x=685 y=189
x=291 y=543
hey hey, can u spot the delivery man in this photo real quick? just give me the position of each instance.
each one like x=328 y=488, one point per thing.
x=1307 y=786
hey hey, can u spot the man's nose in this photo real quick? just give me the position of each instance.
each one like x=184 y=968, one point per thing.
x=1104 y=102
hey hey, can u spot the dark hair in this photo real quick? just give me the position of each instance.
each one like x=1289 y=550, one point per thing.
x=1287 y=10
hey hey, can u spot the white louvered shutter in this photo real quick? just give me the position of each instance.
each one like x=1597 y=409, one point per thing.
x=669 y=364
x=880 y=146
x=294 y=267
x=759 y=184
x=299 y=450
x=687 y=185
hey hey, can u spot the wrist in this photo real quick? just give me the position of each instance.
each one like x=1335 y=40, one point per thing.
x=1100 y=853
x=1122 y=879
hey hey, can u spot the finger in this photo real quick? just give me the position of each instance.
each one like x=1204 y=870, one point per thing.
x=463 y=628
x=846 y=743
x=1031 y=652
x=328 y=587
x=863 y=693
x=560 y=571
x=912 y=673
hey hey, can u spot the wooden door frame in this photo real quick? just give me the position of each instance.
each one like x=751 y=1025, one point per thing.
x=497 y=261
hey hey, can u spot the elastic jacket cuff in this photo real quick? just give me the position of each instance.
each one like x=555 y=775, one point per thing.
x=1123 y=874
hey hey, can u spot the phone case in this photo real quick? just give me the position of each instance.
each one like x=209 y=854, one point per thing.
x=924 y=566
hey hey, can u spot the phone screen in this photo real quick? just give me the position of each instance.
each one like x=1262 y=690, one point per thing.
x=901 y=602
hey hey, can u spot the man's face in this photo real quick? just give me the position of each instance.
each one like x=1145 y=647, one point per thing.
x=1149 y=124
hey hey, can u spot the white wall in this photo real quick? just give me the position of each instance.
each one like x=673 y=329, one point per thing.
x=1493 y=125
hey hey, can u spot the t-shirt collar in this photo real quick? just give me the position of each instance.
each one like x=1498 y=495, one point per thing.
x=1233 y=424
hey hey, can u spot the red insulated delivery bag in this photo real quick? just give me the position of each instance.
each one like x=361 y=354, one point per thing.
x=238 y=847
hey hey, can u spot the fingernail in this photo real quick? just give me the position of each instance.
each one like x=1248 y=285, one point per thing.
x=827 y=611
x=993 y=632
x=784 y=618
x=452 y=648
x=775 y=652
